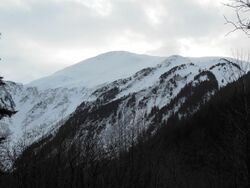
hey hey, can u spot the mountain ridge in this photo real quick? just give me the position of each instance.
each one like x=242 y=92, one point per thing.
x=123 y=63
x=166 y=84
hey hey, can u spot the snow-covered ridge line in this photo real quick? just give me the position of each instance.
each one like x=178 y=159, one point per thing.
x=98 y=70
x=45 y=104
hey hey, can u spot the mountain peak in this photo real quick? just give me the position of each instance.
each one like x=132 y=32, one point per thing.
x=98 y=70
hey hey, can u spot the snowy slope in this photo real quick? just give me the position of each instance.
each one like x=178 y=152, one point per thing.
x=98 y=70
x=46 y=104
x=142 y=102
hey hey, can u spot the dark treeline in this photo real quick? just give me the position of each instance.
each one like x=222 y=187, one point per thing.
x=3 y=110
x=208 y=149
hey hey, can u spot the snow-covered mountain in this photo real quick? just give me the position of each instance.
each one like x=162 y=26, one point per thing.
x=97 y=70
x=141 y=103
x=100 y=94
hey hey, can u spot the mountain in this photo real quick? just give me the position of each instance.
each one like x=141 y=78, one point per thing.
x=44 y=104
x=195 y=133
x=127 y=108
x=98 y=70
x=112 y=95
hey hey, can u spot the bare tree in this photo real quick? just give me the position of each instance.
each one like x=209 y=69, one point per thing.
x=242 y=12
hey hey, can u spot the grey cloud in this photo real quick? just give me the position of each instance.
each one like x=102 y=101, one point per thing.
x=36 y=32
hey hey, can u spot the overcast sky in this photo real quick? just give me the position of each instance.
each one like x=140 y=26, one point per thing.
x=40 y=37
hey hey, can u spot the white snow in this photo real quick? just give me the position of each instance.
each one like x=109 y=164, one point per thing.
x=101 y=69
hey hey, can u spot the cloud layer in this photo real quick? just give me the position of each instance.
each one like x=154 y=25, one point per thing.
x=40 y=37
